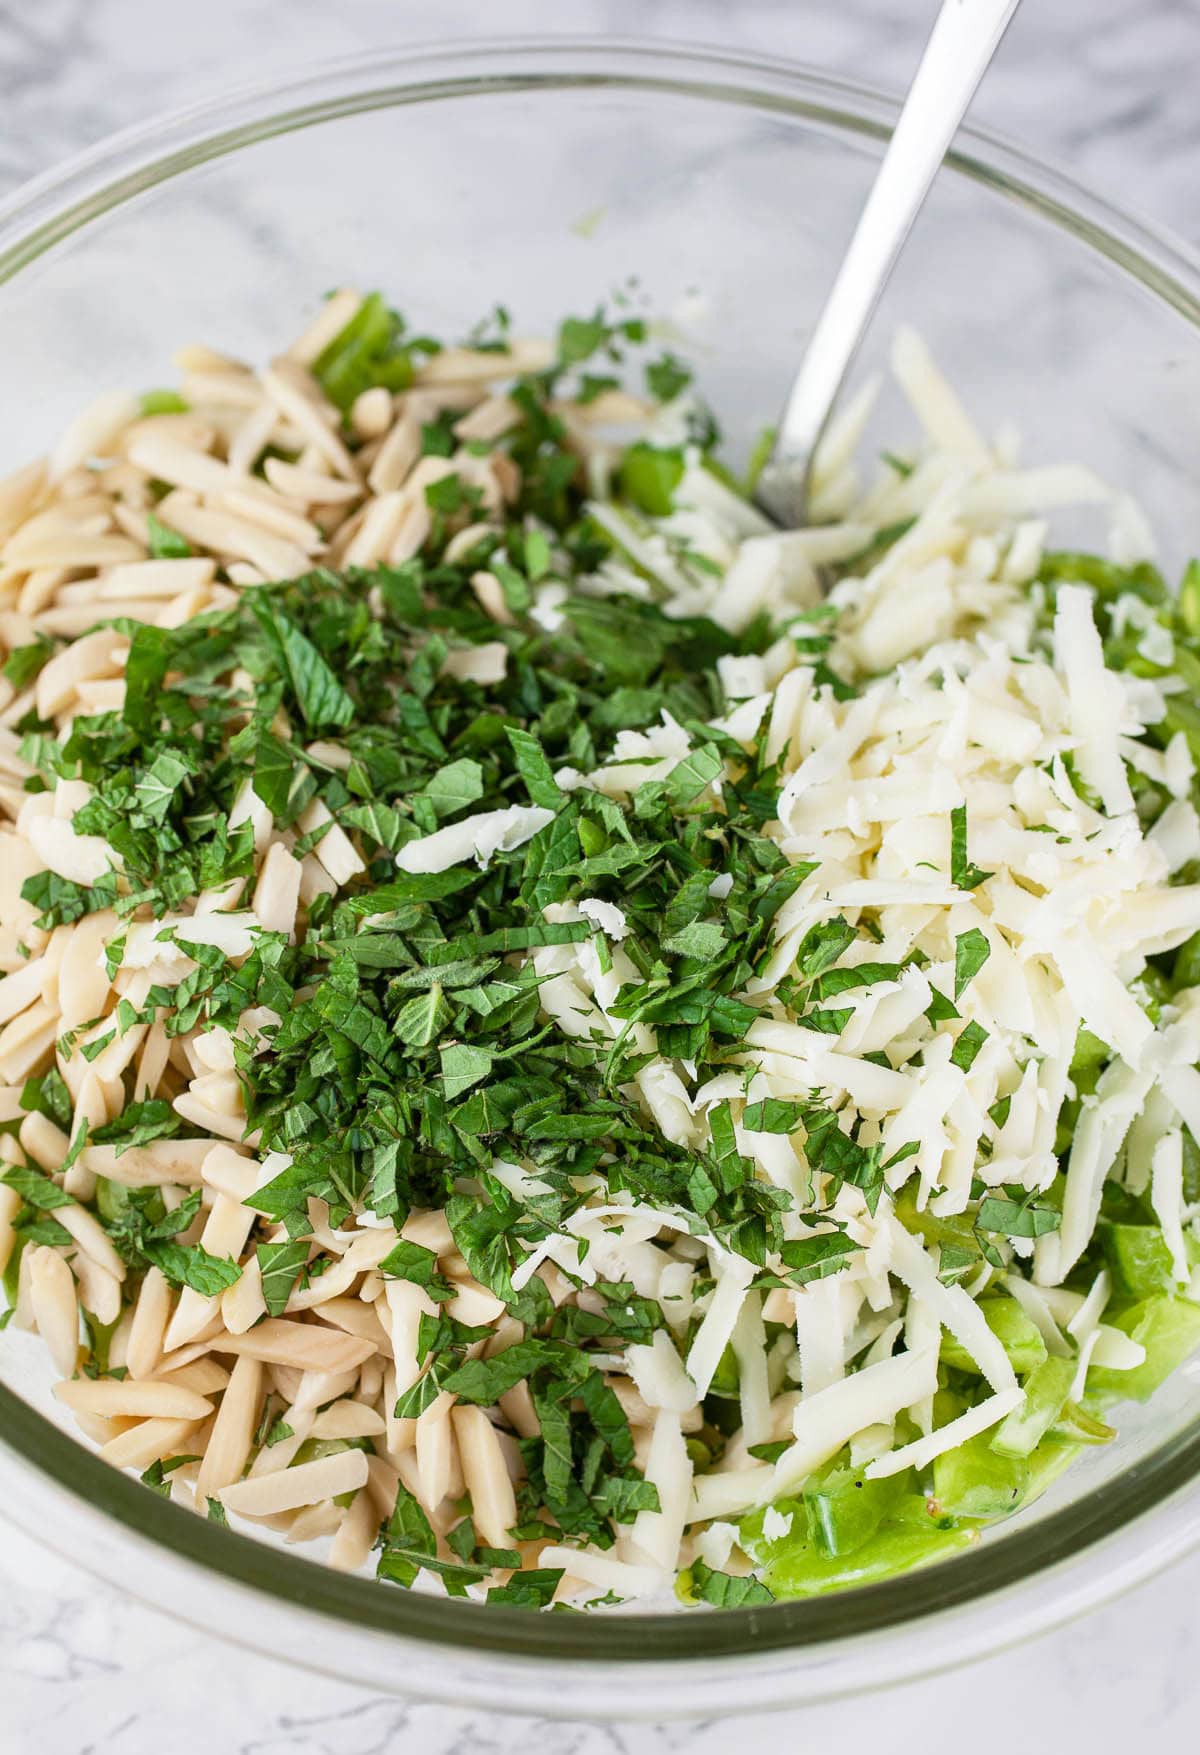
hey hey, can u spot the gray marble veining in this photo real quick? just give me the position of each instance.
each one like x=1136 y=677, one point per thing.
x=1105 y=87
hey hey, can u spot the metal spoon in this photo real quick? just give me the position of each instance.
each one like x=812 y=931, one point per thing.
x=964 y=39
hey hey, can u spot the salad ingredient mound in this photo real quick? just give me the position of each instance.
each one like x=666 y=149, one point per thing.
x=541 y=1048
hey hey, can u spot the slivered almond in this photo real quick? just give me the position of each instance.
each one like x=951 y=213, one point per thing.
x=493 y=1502
x=356 y=1535
x=148 y=1398
x=348 y=1420
x=326 y=326
x=305 y=1484
x=147 y=1442
x=157 y=578
x=54 y=1309
x=280 y=1342
x=152 y=1166
x=233 y=1429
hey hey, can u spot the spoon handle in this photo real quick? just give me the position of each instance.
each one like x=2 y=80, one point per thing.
x=964 y=39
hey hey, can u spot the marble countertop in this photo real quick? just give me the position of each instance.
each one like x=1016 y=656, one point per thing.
x=1107 y=87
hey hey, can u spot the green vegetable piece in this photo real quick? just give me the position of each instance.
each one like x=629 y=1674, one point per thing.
x=1077 y=1425
x=1014 y=1330
x=1185 y=970
x=1169 y=1329
x=162 y=402
x=367 y=351
x=975 y=1481
x=1090 y=1052
x=1187 y=605
x=649 y=476
x=1046 y=1391
x=1106 y=578
x=1047 y=1463
x=726 y=1379
x=802 y=1571
x=844 y=1509
x=1138 y=1257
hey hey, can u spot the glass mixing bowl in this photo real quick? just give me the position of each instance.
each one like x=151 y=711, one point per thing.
x=720 y=191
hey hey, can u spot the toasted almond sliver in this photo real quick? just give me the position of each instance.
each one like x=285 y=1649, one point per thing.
x=149 y=1399
x=305 y=1484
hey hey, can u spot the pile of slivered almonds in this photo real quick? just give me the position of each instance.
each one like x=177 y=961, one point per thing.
x=75 y=546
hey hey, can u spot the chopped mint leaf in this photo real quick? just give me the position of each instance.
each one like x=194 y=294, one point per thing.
x=40 y=1191
x=411 y=1261
x=1016 y=1218
x=963 y=873
x=166 y=544
x=815 y=1258
x=281 y=1265
x=701 y=1583
x=971 y=952
x=970 y=1040
x=667 y=377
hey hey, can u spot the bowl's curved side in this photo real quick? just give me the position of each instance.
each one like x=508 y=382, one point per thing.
x=1037 y=1572
x=503 y=1660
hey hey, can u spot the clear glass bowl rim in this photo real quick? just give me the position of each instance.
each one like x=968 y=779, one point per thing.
x=984 y=1600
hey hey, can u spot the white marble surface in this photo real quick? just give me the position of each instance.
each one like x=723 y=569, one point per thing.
x=1107 y=87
